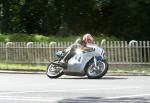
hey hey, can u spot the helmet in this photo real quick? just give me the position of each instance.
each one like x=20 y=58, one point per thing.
x=87 y=38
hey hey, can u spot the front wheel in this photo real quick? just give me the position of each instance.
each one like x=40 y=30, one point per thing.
x=54 y=71
x=98 y=71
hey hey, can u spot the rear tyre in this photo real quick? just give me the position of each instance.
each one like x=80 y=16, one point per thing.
x=98 y=71
x=54 y=71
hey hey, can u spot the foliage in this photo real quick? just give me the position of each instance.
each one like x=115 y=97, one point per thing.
x=19 y=37
x=2 y=37
x=125 y=19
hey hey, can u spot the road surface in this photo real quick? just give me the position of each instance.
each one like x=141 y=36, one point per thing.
x=38 y=88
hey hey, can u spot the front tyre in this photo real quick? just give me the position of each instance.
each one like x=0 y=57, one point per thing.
x=54 y=71
x=98 y=71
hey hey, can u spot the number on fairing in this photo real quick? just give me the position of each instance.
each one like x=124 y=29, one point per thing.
x=78 y=59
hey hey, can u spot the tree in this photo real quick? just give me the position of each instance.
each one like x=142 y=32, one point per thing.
x=0 y=15
x=130 y=20
x=51 y=18
x=125 y=19
x=5 y=16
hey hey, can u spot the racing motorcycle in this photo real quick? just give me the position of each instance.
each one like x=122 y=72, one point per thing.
x=87 y=61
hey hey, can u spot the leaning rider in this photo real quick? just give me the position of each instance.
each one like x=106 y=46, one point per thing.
x=87 y=39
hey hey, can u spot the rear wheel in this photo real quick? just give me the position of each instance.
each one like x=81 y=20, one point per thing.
x=54 y=71
x=98 y=71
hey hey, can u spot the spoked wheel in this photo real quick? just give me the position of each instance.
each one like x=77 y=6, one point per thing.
x=54 y=71
x=98 y=71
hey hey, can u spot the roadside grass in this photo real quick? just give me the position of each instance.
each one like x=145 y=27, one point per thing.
x=119 y=69
x=130 y=69
x=23 y=67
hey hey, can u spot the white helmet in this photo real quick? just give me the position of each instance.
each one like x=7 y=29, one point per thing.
x=87 y=38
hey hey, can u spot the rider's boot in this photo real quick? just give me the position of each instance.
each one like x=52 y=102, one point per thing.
x=63 y=63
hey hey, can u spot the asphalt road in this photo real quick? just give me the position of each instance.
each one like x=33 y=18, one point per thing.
x=37 y=88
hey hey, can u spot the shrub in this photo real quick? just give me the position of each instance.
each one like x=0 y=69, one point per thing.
x=19 y=37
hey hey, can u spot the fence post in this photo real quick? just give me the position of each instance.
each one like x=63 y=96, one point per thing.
x=51 y=44
x=137 y=52
x=131 y=42
x=140 y=52
x=122 y=51
x=112 y=50
x=28 y=53
x=144 y=51
x=118 y=46
x=116 y=51
x=130 y=51
x=7 y=44
x=148 y=51
x=102 y=42
x=108 y=51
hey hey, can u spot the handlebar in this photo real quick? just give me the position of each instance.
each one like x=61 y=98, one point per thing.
x=87 y=49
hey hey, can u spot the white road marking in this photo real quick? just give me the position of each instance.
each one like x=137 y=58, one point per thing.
x=52 y=99
x=128 y=96
x=71 y=90
x=23 y=98
x=10 y=94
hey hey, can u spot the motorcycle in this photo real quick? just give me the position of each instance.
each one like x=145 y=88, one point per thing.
x=87 y=61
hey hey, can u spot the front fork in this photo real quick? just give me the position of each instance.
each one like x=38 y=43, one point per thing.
x=95 y=61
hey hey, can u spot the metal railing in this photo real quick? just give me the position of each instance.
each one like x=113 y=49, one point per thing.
x=117 y=52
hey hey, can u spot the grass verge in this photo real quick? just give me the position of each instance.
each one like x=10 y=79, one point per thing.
x=23 y=67
x=113 y=69
x=129 y=69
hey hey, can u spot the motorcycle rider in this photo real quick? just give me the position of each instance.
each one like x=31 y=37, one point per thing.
x=81 y=43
